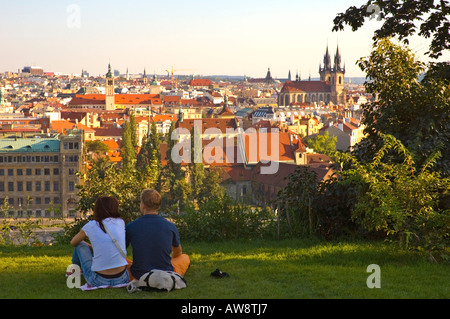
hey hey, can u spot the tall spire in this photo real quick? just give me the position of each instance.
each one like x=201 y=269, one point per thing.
x=327 y=60
x=337 y=59
x=109 y=74
x=268 y=75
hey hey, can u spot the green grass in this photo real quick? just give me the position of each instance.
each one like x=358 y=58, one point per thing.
x=258 y=270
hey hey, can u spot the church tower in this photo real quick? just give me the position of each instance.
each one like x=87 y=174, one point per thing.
x=325 y=72
x=334 y=75
x=337 y=83
x=109 y=91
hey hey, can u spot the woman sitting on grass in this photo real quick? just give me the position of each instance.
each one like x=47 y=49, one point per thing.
x=102 y=263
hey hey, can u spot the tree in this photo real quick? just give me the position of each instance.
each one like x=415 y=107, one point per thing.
x=149 y=157
x=401 y=199
x=322 y=144
x=104 y=178
x=127 y=150
x=196 y=166
x=96 y=147
x=211 y=186
x=133 y=130
x=399 y=20
x=295 y=202
x=416 y=113
x=176 y=191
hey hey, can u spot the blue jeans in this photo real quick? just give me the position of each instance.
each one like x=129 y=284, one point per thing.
x=82 y=256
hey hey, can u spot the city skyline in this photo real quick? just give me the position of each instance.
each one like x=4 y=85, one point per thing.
x=199 y=37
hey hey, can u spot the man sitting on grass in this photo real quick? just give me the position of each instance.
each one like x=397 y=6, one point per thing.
x=153 y=239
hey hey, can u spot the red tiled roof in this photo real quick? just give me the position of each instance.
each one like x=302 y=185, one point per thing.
x=171 y=99
x=254 y=147
x=93 y=99
x=137 y=99
x=220 y=123
x=280 y=179
x=188 y=101
x=63 y=125
x=201 y=82
x=100 y=131
x=112 y=144
x=238 y=173
x=306 y=86
x=164 y=117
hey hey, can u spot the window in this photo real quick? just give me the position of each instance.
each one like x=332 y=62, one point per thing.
x=38 y=186
x=20 y=186
x=10 y=187
x=10 y=172
x=2 y=172
x=46 y=171
x=71 y=171
x=19 y=172
x=38 y=201
x=56 y=171
x=37 y=171
x=47 y=200
x=71 y=186
x=47 y=186
x=28 y=171
x=29 y=186
x=2 y=188
x=56 y=186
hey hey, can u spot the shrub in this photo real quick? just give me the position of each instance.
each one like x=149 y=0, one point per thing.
x=221 y=219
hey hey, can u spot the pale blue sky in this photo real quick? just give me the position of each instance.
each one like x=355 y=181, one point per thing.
x=207 y=37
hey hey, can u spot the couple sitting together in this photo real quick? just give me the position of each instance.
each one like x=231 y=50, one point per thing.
x=154 y=240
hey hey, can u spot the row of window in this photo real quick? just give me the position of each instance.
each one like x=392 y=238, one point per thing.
x=24 y=202
x=37 y=159
x=37 y=213
x=38 y=186
x=71 y=145
x=29 y=171
x=30 y=159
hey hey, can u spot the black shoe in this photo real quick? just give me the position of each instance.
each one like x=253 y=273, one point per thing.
x=219 y=274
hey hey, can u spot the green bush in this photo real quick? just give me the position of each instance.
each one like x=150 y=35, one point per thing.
x=223 y=219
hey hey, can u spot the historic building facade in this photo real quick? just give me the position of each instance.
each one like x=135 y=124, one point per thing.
x=330 y=87
x=38 y=175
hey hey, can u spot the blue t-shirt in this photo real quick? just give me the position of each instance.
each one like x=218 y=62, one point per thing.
x=151 y=238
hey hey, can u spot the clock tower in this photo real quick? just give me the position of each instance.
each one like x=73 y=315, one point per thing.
x=109 y=91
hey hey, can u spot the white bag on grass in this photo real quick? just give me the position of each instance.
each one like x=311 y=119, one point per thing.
x=159 y=280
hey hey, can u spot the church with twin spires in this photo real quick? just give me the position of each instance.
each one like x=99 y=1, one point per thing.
x=330 y=87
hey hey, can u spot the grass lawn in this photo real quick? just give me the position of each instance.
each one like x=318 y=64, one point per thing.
x=292 y=269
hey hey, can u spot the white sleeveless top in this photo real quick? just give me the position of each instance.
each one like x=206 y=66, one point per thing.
x=106 y=254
